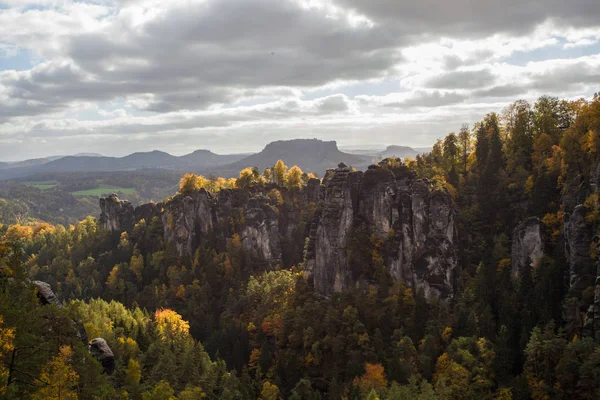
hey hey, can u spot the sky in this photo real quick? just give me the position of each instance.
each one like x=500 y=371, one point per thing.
x=119 y=76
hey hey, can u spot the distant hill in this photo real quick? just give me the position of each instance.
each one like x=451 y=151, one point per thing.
x=206 y=158
x=198 y=160
x=390 y=151
x=86 y=155
x=423 y=150
x=398 y=151
x=26 y=163
x=311 y=155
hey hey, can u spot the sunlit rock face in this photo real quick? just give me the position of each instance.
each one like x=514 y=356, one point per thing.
x=260 y=232
x=416 y=217
x=527 y=244
x=192 y=220
x=116 y=215
x=187 y=219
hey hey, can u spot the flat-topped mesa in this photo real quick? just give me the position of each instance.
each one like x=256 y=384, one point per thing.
x=394 y=205
x=116 y=215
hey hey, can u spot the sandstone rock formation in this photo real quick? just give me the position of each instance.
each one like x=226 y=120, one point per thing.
x=98 y=347
x=102 y=352
x=527 y=244
x=116 y=215
x=45 y=294
x=419 y=217
x=415 y=215
x=186 y=218
x=578 y=237
x=261 y=230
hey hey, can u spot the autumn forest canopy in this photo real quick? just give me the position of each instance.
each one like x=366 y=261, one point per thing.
x=468 y=272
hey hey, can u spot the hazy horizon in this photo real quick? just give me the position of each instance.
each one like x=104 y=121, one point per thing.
x=366 y=147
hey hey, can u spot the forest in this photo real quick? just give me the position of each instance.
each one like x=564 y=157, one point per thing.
x=222 y=323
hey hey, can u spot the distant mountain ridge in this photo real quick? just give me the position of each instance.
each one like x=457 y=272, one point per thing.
x=156 y=159
x=398 y=151
x=311 y=155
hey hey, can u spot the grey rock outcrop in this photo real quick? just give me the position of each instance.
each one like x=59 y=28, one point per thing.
x=419 y=217
x=204 y=218
x=527 y=244
x=261 y=230
x=116 y=215
x=191 y=220
x=186 y=218
x=98 y=347
x=45 y=294
x=146 y=212
x=103 y=353
x=578 y=237
x=335 y=222
x=591 y=321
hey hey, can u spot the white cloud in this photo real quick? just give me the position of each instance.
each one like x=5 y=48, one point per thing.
x=125 y=73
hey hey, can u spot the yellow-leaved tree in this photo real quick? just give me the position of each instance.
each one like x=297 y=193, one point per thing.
x=279 y=172
x=245 y=179
x=59 y=380
x=189 y=183
x=7 y=337
x=294 y=178
x=171 y=326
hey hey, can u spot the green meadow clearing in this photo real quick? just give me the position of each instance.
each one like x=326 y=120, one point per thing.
x=42 y=185
x=104 y=190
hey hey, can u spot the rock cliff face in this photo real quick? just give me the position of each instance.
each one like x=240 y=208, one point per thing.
x=416 y=217
x=261 y=230
x=578 y=238
x=192 y=220
x=413 y=217
x=204 y=218
x=116 y=215
x=527 y=244
x=187 y=220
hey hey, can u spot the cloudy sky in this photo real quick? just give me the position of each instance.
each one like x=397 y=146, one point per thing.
x=117 y=76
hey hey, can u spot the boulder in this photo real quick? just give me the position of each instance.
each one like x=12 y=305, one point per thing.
x=102 y=352
x=45 y=294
